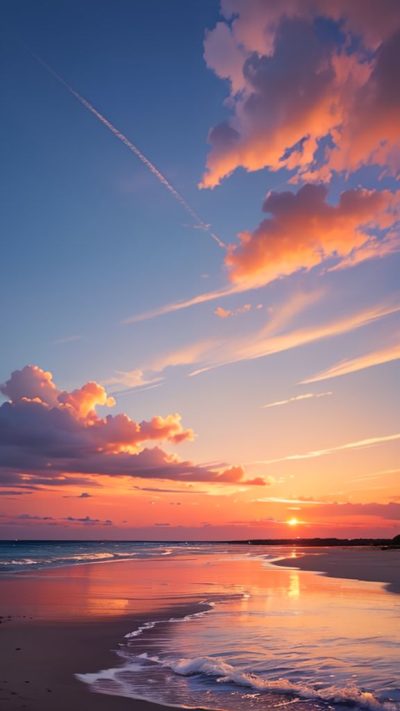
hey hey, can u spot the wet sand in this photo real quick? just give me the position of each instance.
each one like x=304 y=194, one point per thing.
x=60 y=622
x=56 y=623
x=368 y=564
x=38 y=660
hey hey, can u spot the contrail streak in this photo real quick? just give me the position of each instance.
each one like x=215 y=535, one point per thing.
x=200 y=224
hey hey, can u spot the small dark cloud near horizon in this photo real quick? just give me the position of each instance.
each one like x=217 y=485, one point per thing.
x=5 y=492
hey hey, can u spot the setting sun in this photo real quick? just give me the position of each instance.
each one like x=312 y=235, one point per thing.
x=199 y=378
x=293 y=521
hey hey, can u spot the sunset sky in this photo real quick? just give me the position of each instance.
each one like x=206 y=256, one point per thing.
x=205 y=345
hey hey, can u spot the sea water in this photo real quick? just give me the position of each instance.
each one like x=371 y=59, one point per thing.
x=262 y=636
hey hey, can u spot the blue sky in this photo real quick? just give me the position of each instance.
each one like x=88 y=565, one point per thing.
x=92 y=238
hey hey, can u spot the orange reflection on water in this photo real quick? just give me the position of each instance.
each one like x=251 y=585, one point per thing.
x=140 y=586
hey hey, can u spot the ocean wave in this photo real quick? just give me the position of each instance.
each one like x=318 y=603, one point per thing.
x=226 y=673
x=142 y=628
x=152 y=623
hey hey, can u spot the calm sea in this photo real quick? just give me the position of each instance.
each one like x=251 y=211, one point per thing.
x=262 y=637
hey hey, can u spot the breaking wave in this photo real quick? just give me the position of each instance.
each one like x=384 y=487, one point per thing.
x=226 y=673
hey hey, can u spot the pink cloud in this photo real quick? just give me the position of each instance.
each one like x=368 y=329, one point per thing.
x=223 y=313
x=290 y=88
x=47 y=435
x=304 y=230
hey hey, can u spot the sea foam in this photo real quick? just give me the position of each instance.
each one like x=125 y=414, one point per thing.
x=226 y=673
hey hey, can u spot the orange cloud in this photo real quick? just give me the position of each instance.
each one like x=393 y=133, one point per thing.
x=369 y=132
x=291 y=89
x=304 y=230
x=47 y=434
x=227 y=313
x=83 y=402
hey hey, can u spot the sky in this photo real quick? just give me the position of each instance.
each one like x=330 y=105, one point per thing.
x=200 y=297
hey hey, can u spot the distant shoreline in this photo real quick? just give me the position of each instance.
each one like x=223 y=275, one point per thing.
x=366 y=565
x=315 y=542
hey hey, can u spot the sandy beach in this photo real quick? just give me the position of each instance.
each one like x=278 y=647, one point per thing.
x=369 y=564
x=39 y=660
x=56 y=623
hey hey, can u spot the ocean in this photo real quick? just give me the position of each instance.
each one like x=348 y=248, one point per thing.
x=257 y=635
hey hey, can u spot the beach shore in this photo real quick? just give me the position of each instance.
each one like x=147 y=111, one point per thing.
x=39 y=660
x=57 y=623
x=369 y=564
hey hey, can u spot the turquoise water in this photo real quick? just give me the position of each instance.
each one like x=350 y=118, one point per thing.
x=20 y=556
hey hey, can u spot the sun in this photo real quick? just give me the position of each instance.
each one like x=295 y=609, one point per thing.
x=293 y=521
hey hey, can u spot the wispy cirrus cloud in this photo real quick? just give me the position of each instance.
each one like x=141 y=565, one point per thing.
x=296 y=398
x=316 y=453
x=173 y=307
x=164 y=490
x=274 y=336
x=127 y=380
x=283 y=500
x=353 y=365
x=264 y=343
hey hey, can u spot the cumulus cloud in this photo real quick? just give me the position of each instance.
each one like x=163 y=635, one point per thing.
x=304 y=229
x=312 y=89
x=48 y=436
x=312 y=86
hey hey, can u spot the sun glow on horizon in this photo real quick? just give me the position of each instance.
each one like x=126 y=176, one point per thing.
x=293 y=521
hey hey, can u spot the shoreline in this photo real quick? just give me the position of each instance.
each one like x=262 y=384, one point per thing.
x=39 y=660
x=42 y=648
x=371 y=565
